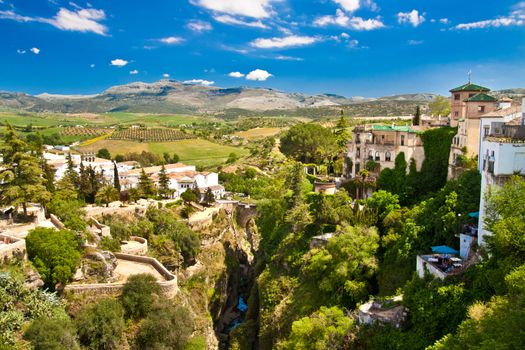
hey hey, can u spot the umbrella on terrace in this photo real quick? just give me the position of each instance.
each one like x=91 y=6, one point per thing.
x=444 y=249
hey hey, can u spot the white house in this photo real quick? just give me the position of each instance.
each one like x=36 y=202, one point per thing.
x=502 y=153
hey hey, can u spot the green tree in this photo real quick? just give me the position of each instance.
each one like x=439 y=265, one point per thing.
x=116 y=178
x=344 y=266
x=52 y=334
x=324 y=329
x=164 y=183
x=71 y=173
x=107 y=194
x=166 y=327
x=309 y=143
x=54 y=253
x=209 y=197
x=189 y=196
x=145 y=185
x=100 y=326
x=341 y=132
x=417 y=116
x=440 y=106
x=232 y=158
x=139 y=294
x=103 y=153
x=22 y=179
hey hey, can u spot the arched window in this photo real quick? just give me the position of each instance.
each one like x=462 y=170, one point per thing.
x=388 y=156
x=370 y=155
x=377 y=156
x=402 y=140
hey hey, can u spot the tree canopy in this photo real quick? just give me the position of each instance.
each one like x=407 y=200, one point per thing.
x=309 y=143
x=55 y=254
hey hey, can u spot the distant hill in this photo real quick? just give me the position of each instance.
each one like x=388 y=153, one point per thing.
x=170 y=96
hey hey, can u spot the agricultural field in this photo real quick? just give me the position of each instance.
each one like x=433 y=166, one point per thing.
x=150 y=135
x=196 y=151
x=82 y=131
x=258 y=133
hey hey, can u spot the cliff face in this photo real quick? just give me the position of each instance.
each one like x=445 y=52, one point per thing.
x=222 y=276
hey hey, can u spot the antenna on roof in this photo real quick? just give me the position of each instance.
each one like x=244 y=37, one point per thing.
x=469 y=75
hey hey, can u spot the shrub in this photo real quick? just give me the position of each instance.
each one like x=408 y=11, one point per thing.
x=52 y=334
x=101 y=325
x=138 y=295
x=168 y=327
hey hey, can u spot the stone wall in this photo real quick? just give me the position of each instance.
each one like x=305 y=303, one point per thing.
x=139 y=248
x=55 y=221
x=12 y=247
x=168 y=287
x=245 y=212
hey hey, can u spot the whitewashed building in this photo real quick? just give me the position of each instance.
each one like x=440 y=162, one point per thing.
x=501 y=153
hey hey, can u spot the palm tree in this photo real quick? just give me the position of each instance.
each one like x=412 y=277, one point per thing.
x=107 y=194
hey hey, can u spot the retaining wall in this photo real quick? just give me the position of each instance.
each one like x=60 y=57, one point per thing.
x=168 y=287
x=141 y=249
x=14 y=247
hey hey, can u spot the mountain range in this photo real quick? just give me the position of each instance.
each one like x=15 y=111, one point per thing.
x=170 y=96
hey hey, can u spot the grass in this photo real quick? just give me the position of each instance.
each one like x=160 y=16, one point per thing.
x=196 y=152
x=258 y=133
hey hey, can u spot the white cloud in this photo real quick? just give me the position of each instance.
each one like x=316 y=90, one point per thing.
x=171 y=40
x=35 y=50
x=92 y=65
x=227 y=19
x=287 y=41
x=20 y=51
x=133 y=72
x=353 y=44
x=80 y=19
x=342 y=20
x=199 y=82
x=199 y=26
x=288 y=58
x=247 y=8
x=349 y=5
x=444 y=20
x=165 y=75
x=345 y=35
x=258 y=75
x=415 y=42
x=119 y=62
x=236 y=74
x=413 y=17
x=515 y=18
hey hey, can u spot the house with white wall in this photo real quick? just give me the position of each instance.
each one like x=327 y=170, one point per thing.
x=501 y=154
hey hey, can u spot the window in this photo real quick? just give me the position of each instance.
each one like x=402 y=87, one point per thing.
x=402 y=140
x=486 y=131
x=471 y=94
x=456 y=114
x=481 y=109
x=377 y=156
x=358 y=152
x=370 y=156
x=457 y=97
x=388 y=156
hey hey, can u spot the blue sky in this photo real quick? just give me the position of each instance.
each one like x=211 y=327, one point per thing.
x=348 y=47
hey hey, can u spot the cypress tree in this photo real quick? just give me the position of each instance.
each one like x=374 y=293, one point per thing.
x=116 y=179
x=417 y=116
x=164 y=182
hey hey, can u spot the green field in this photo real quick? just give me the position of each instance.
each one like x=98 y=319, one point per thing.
x=101 y=120
x=195 y=152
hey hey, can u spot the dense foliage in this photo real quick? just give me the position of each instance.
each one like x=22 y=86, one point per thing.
x=309 y=143
x=139 y=294
x=100 y=326
x=55 y=254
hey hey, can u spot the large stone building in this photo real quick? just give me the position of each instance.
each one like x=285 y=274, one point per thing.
x=468 y=103
x=382 y=144
x=501 y=153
